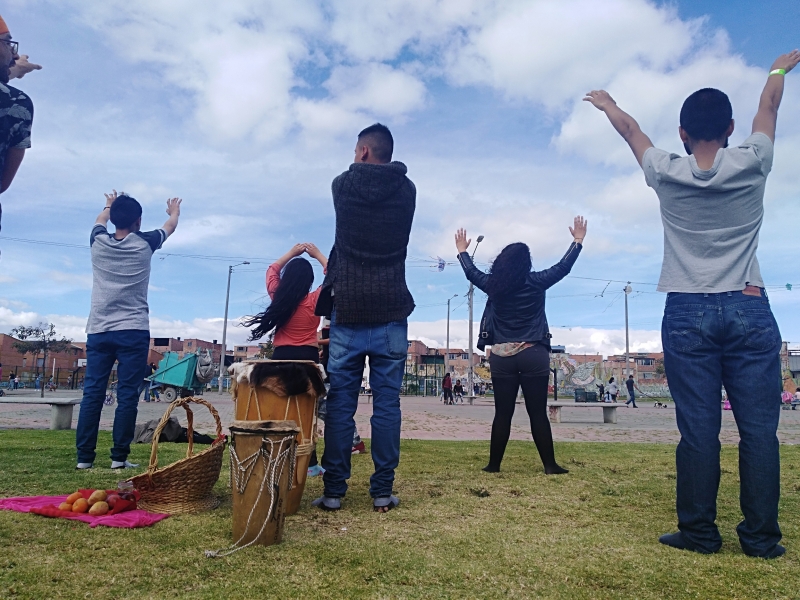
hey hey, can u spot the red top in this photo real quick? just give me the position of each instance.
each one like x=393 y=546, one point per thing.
x=301 y=330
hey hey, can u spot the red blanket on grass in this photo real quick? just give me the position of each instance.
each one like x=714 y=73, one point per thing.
x=125 y=514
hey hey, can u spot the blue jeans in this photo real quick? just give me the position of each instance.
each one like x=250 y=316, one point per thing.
x=128 y=347
x=729 y=339
x=386 y=345
x=631 y=397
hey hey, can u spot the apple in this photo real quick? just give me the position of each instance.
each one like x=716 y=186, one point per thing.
x=112 y=500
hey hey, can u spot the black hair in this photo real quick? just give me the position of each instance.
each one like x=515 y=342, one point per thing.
x=509 y=270
x=296 y=281
x=611 y=380
x=380 y=141
x=630 y=376
x=706 y=114
x=125 y=211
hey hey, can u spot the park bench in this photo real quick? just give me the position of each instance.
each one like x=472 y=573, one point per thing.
x=60 y=408
x=609 y=409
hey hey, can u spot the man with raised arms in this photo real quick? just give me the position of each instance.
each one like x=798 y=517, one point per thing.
x=718 y=328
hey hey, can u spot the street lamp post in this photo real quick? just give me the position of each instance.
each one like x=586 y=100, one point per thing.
x=471 y=294
x=627 y=289
x=447 y=356
x=225 y=328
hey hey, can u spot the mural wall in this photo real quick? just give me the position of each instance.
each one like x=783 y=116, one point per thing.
x=589 y=375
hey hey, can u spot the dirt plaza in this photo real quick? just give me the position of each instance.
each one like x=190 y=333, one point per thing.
x=426 y=418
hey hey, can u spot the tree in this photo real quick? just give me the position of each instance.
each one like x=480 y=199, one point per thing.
x=267 y=348
x=659 y=367
x=39 y=339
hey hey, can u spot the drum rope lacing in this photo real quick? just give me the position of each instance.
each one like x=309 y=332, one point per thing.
x=305 y=446
x=242 y=471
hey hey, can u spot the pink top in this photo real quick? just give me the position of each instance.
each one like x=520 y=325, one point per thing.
x=301 y=330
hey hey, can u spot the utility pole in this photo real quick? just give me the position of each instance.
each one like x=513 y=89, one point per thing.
x=225 y=328
x=471 y=350
x=627 y=289
x=447 y=356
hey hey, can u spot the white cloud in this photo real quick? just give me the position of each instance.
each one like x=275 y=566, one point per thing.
x=578 y=340
x=548 y=52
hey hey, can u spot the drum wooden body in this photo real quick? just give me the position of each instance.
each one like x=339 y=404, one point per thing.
x=262 y=453
x=264 y=396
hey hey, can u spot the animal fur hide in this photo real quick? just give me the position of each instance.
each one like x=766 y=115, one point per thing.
x=283 y=378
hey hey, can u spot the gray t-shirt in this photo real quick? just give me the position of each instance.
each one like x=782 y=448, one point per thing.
x=711 y=218
x=121 y=274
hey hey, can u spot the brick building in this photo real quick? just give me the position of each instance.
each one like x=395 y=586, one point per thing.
x=28 y=366
x=457 y=360
x=644 y=366
x=183 y=347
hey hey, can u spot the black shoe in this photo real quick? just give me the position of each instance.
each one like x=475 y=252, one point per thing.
x=777 y=551
x=676 y=540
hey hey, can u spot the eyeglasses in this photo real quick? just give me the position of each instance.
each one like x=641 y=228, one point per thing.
x=14 y=45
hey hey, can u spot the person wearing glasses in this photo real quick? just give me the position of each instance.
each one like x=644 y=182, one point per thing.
x=16 y=108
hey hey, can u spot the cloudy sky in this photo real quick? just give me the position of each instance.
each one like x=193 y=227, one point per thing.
x=247 y=109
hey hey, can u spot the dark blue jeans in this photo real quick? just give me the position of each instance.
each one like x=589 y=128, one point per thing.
x=386 y=345
x=729 y=339
x=128 y=347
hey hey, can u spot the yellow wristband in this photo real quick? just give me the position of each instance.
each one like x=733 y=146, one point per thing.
x=778 y=72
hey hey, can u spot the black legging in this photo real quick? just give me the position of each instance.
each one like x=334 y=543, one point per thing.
x=529 y=369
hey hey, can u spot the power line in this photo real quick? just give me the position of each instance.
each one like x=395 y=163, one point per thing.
x=268 y=261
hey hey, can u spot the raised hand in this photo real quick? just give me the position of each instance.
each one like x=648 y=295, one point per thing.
x=112 y=196
x=22 y=67
x=462 y=243
x=312 y=250
x=600 y=99
x=174 y=206
x=787 y=61
x=578 y=229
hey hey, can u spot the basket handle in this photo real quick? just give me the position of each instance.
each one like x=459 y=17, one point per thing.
x=184 y=402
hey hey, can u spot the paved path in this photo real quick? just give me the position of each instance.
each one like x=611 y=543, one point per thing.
x=428 y=419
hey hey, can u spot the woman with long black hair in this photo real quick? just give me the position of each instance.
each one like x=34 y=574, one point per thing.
x=291 y=313
x=515 y=326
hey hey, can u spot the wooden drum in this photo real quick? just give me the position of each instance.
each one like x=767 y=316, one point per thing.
x=262 y=457
x=282 y=390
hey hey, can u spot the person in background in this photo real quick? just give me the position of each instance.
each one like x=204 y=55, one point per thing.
x=476 y=389
x=613 y=390
x=458 y=391
x=447 y=389
x=483 y=388
x=515 y=325
x=601 y=391
x=291 y=313
x=630 y=384
x=16 y=382
x=718 y=328
x=118 y=329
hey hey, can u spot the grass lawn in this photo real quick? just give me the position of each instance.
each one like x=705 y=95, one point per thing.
x=459 y=532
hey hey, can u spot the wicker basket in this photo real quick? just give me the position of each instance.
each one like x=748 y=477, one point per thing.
x=184 y=486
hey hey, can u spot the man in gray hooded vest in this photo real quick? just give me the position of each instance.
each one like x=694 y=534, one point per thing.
x=366 y=297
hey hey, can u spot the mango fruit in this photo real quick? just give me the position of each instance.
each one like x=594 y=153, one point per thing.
x=97 y=496
x=98 y=508
x=72 y=497
x=65 y=506
x=80 y=505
